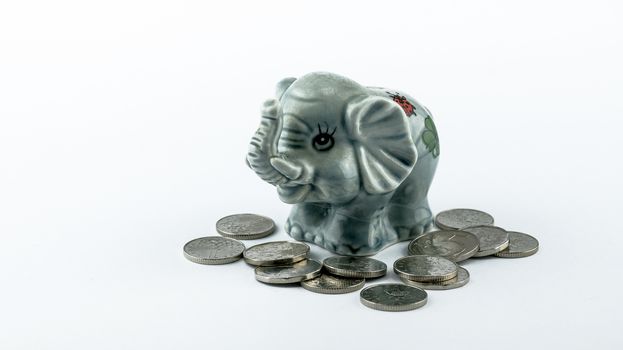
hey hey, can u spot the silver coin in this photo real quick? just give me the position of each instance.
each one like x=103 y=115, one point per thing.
x=276 y=253
x=424 y=268
x=393 y=297
x=453 y=245
x=520 y=246
x=301 y=271
x=328 y=284
x=354 y=266
x=245 y=226
x=492 y=239
x=456 y=219
x=213 y=250
x=460 y=280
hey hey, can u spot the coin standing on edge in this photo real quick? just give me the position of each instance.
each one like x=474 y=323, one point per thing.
x=393 y=297
x=460 y=280
x=245 y=226
x=520 y=245
x=328 y=284
x=423 y=268
x=301 y=271
x=354 y=266
x=213 y=250
x=492 y=239
x=454 y=245
x=276 y=253
x=456 y=219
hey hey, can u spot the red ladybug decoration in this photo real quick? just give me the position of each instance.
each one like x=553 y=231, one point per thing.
x=404 y=103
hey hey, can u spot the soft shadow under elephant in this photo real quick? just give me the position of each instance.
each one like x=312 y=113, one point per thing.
x=356 y=162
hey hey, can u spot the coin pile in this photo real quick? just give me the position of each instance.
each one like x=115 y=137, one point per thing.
x=431 y=263
x=492 y=240
x=287 y=262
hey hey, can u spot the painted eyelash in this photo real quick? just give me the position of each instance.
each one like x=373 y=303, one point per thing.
x=326 y=131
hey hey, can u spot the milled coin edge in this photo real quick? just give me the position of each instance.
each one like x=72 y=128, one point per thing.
x=419 y=278
x=523 y=254
x=444 y=227
x=345 y=290
x=213 y=261
x=278 y=262
x=494 y=251
x=295 y=279
x=204 y=261
x=354 y=273
x=460 y=258
x=439 y=285
x=247 y=237
x=517 y=255
x=392 y=308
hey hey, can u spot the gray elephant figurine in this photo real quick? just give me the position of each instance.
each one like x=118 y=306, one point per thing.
x=355 y=161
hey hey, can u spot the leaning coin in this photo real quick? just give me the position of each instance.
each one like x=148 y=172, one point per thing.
x=213 y=250
x=460 y=280
x=245 y=226
x=276 y=253
x=456 y=219
x=355 y=266
x=492 y=239
x=328 y=284
x=393 y=297
x=453 y=245
x=301 y=271
x=521 y=245
x=424 y=268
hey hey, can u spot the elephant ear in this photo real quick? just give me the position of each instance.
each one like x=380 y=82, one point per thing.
x=282 y=86
x=382 y=139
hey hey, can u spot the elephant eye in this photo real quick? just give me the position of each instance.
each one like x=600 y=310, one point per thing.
x=323 y=141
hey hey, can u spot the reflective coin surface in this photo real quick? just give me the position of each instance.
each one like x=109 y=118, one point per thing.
x=424 y=268
x=301 y=271
x=460 y=280
x=453 y=245
x=520 y=246
x=393 y=297
x=329 y=284
x=352 y=266
x=492 y=239
x=276 y=253
x=245 y=226
x=213 y=250
x=456 y=219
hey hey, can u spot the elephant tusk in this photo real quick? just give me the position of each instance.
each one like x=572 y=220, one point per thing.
x=290 y=170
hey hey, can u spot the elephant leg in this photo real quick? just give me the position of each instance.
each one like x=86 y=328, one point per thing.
x=409 y=212
x=340 y=233
x=307 y=222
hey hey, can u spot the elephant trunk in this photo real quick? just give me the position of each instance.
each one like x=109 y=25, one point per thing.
x=263 y=145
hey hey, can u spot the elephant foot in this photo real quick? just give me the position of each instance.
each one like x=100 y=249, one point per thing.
x=410 y=223
x=296 y=231
x=333 y=239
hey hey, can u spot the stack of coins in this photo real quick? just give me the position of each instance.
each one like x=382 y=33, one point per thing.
x=463 y=234
x=492 y=240
x=346 y=273
x=431 y=263
x=282 y=262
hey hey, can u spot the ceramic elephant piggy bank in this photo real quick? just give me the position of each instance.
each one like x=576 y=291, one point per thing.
x=356 y=162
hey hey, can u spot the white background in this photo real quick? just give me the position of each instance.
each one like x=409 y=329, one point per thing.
x=123 y=131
